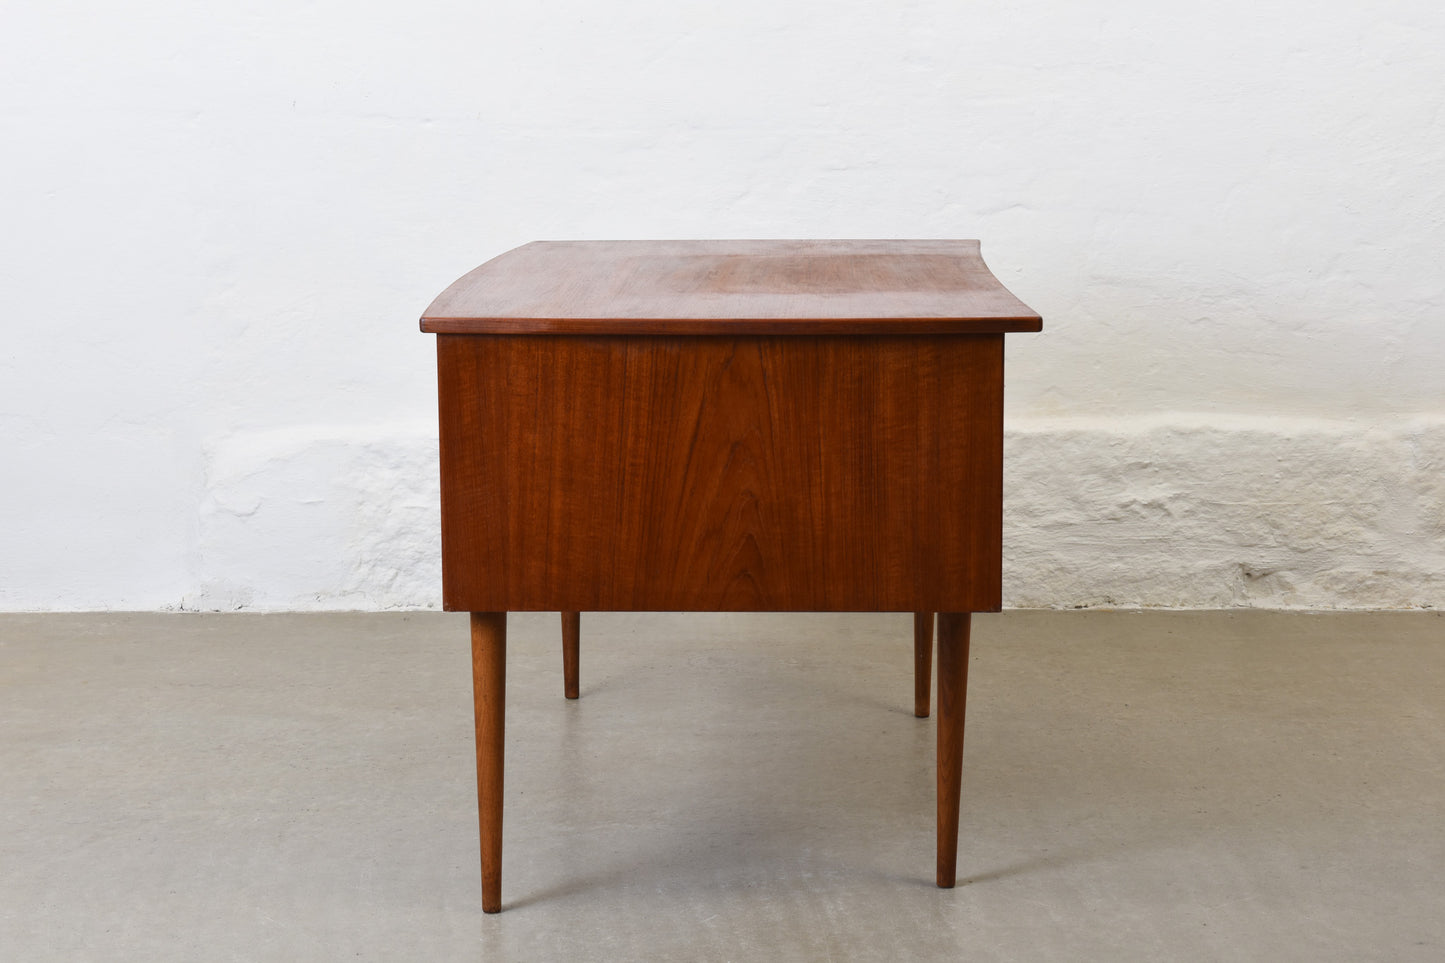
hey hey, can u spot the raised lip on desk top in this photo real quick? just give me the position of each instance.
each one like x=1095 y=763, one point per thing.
x=732 y=287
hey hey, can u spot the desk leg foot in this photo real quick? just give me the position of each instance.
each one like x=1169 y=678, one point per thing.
x=489 y=691
x=571 y=633
x=922 y=662
x=952 y=693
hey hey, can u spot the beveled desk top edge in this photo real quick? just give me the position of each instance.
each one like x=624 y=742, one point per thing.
x=728 y=326
x=731 y=287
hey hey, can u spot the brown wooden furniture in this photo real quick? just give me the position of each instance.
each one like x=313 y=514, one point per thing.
x=723 y=426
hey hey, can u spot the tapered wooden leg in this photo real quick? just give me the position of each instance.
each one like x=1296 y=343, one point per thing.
x=489 y=690
x=952 y=695
x=571 y=633
x=922 y=662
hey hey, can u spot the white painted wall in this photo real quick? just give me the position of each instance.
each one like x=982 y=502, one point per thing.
x=220 y=223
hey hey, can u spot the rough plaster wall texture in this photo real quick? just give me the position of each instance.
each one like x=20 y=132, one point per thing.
x=221 y=224
x=321 y=518
x=1150 y=511
x=1223 y=511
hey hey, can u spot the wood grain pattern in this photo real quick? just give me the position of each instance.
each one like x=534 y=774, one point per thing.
x=953 y=629
x=922 y=662
x=731 y=288
x=721 y=474
x=489 y=694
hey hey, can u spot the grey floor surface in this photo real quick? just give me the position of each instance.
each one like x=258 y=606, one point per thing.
x=1137 y=786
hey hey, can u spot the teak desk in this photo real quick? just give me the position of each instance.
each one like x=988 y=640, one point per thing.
x=723 y=426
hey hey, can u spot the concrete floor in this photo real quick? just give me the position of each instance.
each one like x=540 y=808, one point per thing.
x=1157 y=786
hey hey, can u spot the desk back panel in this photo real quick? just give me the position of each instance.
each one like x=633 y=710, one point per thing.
x=716 y=473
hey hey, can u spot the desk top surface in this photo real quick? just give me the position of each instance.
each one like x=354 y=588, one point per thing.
x=731 y=287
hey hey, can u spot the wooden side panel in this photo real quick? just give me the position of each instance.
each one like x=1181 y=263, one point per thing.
x=847 y=473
